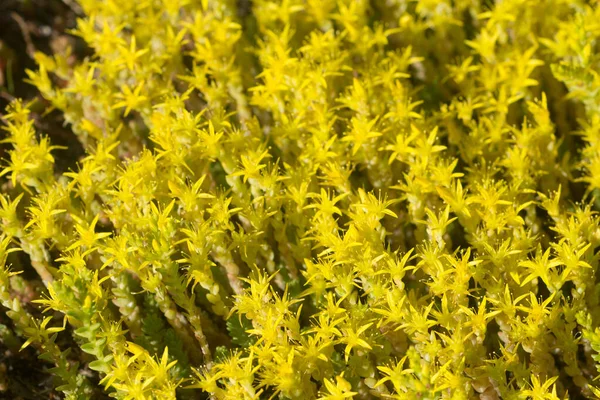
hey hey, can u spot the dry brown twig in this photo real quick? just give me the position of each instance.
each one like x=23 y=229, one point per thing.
x=29 y=46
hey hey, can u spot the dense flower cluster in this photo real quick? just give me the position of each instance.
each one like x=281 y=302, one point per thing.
x=313 y=199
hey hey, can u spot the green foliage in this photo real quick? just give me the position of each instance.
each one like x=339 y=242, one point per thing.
x=307 y=199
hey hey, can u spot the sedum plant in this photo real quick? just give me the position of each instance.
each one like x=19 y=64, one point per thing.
x=307 y=199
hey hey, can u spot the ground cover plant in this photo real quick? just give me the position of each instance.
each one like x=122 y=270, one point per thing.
x=305 y=199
